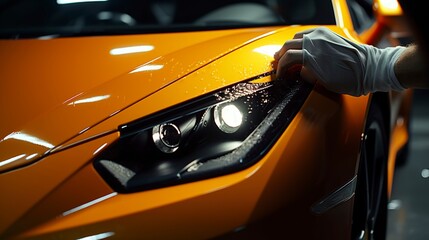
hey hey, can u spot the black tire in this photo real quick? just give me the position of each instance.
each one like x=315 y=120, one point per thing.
x=371 y=195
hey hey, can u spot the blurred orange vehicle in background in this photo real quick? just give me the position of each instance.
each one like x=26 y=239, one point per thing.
x=163 y=120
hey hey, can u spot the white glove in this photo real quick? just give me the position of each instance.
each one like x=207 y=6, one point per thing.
x=344 y=66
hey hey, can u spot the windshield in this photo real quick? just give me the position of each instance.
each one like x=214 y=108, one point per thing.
x=56 y=18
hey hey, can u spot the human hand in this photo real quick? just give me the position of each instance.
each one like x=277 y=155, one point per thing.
x=289 y=59
x=337 y=63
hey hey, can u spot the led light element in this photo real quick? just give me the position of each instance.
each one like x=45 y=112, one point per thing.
x=228 y=118
x=166 y=137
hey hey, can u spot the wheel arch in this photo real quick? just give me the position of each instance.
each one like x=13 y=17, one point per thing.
x=383 y=99
x=371 y=193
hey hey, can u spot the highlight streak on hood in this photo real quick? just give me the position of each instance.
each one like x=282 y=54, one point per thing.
x=53 y=90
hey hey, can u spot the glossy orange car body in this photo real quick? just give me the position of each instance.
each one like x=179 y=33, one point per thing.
x=63 y=100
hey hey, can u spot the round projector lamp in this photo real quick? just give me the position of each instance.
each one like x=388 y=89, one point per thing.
x=228 y=117
x=166 y=137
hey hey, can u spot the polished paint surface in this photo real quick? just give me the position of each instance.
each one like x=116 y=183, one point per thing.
x=70 y=102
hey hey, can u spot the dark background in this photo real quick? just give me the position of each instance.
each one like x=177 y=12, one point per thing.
x=409 y=206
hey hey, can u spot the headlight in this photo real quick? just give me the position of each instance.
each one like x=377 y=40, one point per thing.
x=219 y=133
x=228 y=117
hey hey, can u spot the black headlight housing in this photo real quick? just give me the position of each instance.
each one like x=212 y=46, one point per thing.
x=216 y=134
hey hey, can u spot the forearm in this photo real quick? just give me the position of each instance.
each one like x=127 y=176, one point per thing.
x=411 y=68
x=347 y=67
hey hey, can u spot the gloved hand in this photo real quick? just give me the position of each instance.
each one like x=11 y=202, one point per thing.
x=339 y=64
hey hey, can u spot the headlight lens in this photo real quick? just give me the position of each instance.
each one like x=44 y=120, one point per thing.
x=228 y=117
x=219 y=133
x=166 y=137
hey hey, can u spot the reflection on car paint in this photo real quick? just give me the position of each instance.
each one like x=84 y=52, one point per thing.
x=88 y=204
x=268 y=50
x=149 y=67
x=90 y=100
x=131 y=49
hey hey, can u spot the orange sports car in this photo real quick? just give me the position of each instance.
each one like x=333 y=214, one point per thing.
x=148 y=119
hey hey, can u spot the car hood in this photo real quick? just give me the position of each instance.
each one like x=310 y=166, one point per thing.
x=53 y=90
